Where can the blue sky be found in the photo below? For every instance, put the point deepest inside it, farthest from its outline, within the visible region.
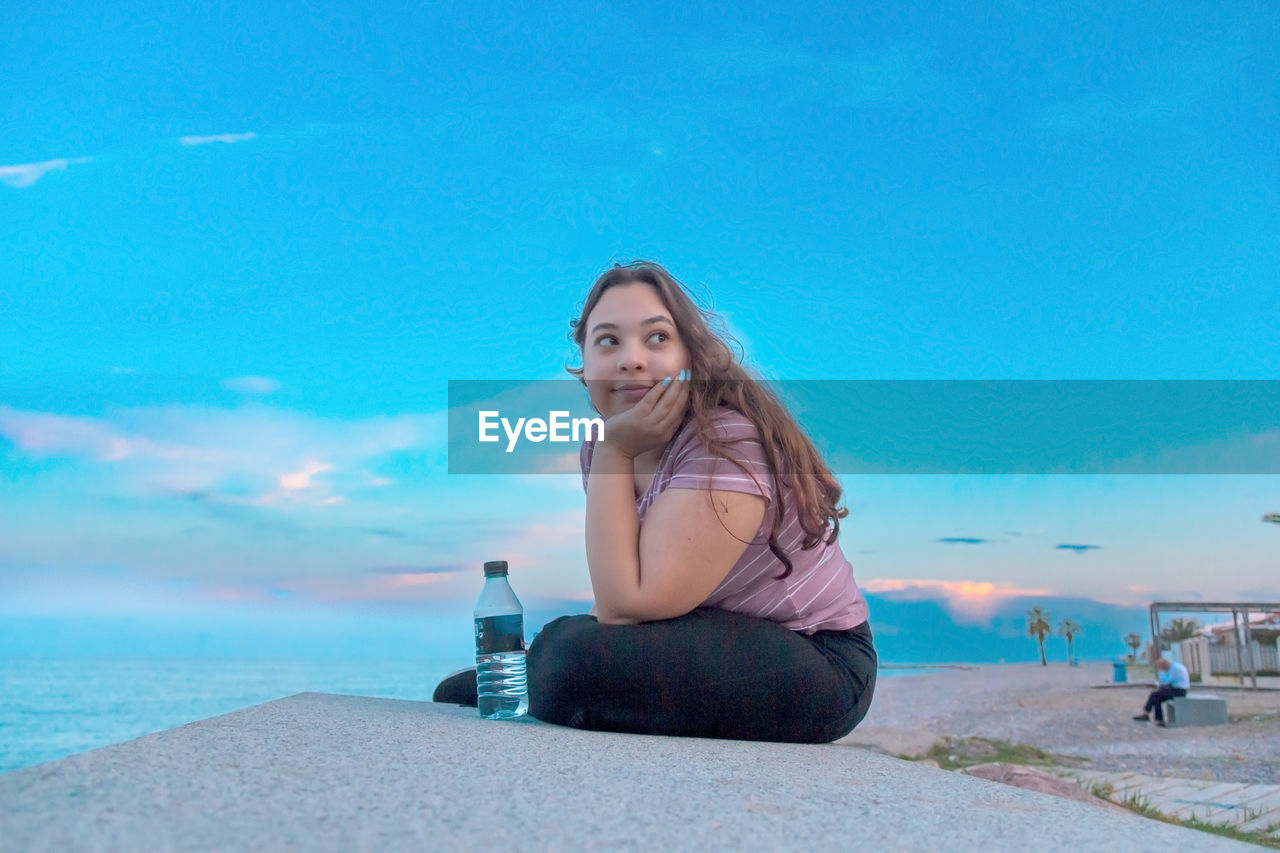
(245, 250)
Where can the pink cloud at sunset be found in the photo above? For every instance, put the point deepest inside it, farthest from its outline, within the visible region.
(968, 600)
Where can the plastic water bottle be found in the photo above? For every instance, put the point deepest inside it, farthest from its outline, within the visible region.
(501, 686)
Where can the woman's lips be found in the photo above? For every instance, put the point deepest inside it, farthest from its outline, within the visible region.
(633, 392)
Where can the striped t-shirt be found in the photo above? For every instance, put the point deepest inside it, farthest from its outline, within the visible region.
(820, 593)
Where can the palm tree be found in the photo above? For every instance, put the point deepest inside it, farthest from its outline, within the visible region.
(1038, 626)
(1070, 629)
(1133, 641)
(1178, 630)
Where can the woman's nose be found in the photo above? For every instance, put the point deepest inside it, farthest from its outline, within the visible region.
(631, 358)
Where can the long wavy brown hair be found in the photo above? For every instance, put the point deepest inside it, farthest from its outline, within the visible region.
(717, 379)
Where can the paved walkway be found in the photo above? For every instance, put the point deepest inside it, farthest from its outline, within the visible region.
(1255, 808)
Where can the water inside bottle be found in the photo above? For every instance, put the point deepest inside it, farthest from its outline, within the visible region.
(502, 686)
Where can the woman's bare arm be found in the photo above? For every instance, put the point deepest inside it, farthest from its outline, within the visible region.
(690, 541)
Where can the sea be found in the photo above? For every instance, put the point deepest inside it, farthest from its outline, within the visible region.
(52, 707)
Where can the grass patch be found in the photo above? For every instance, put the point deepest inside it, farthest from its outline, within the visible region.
(1139, 804)
(1262, 838)
(958, 753)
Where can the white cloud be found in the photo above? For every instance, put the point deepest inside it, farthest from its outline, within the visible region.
(251, 384)
(217, 137)
(45, 434)
(22, 175)
(250, 455)
(301, 480)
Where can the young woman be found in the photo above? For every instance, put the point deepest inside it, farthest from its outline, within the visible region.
(724, 606)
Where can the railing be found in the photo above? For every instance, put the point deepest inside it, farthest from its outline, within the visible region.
(1223, 659)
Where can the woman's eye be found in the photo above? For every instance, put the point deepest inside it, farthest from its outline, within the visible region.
(612, 340)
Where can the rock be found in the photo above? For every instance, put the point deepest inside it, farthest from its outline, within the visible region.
(1038, 780)
(908, 743)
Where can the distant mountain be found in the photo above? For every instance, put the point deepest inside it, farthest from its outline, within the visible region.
(911, 626)
(916, 626)
(919, 625)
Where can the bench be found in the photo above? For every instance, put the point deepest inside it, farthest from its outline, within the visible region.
(1196, 709)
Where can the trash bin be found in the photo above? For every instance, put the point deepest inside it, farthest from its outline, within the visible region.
(1120, 673)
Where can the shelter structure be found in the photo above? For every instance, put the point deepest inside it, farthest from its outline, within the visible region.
(1240, 618)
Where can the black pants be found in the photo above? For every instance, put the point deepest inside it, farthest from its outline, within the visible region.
(709, 673)
(1158, 697)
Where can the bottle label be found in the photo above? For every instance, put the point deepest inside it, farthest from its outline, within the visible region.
(496, 634)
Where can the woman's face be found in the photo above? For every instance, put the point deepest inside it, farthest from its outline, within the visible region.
(631, 344)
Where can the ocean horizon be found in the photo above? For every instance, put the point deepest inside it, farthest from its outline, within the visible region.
(53, 707)
(71, 685)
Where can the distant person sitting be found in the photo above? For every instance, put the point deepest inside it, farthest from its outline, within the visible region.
(1174, 681)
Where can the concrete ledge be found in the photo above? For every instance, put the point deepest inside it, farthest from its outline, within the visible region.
(318, 771)
(1196, 709)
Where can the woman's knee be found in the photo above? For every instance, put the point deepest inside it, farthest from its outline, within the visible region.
(563, 637)
(561, 667)
(856, 714)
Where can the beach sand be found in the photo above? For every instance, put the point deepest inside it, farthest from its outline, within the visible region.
(1058, 709)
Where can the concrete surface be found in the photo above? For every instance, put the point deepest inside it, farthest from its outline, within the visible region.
(325, 772)
(893, 740)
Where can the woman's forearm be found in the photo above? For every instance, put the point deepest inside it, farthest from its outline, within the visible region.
(613, 534)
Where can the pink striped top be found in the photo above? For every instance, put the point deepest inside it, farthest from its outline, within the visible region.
(820, 594)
